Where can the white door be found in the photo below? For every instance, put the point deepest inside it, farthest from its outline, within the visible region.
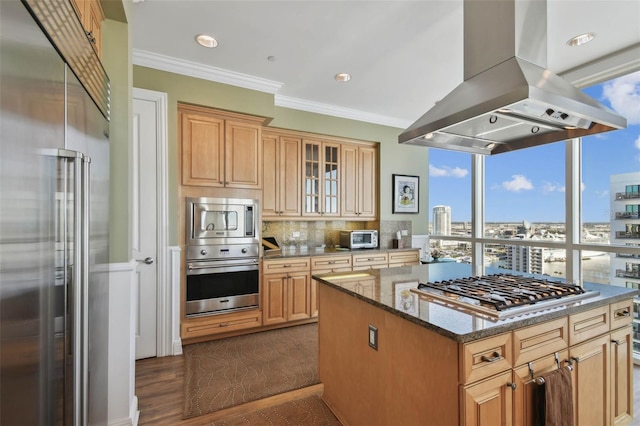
(144, 246)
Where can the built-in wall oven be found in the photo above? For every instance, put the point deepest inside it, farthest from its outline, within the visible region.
(222, 255)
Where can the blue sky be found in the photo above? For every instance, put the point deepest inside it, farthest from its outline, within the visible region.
(529, 184)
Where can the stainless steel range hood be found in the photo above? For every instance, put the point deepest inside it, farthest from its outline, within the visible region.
(508, 99)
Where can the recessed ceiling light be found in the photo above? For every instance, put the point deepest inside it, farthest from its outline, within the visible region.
(206, 41)
(581, 39)
(343, 77)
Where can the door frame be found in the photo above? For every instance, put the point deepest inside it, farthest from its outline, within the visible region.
(164, 293)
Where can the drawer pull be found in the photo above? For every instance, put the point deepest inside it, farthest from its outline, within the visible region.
(223, 324)
(494, 357)
(331, 262)
(624, 313)
(288, 265)
(512, 385)
(617, 342)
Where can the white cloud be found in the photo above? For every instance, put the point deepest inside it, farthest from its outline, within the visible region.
(517, 184)
(637, 142)
(552, 187)
(624, 95)
(446, 171)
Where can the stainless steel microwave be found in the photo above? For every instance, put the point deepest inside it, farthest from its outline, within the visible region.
(363, 238)
(221, 220)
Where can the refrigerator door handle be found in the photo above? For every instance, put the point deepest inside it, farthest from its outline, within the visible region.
(85, 165)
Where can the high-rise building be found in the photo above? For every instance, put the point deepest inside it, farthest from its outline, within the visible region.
(625, 227)
(442, 220)
(525, 259)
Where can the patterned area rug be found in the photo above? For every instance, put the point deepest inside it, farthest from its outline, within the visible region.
(232, 371)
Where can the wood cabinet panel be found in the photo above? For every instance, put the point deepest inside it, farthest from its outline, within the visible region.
(373, 260)
(488, 402)
(274, 298)
(220, 148)
(404, 258)
(359, 189)
(202, 150)
(282, 185)
(621, 314)
(589, 324)
(294, 264)
(591, 386)
(299, 296)
(91, 15)
(216, 324)
(320, 178)
(525, 407)
(621, 370)
(539, 340)
(486, 357)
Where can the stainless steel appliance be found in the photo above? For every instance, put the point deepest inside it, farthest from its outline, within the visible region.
(212, 220)
(501, 296)
(222, 255)
(358, 239)
(54, 229)
(508, 99)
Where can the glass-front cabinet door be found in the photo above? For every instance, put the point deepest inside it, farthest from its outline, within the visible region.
(321, 178)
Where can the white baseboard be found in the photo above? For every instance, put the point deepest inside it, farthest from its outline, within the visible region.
(174, 280)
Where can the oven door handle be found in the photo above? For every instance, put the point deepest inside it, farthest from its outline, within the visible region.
(217, 268)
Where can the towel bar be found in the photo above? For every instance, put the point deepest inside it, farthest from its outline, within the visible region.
(540, 380)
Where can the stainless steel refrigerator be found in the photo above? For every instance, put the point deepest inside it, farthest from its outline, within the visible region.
(54, 231)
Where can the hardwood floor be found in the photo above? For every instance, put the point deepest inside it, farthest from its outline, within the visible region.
(159, 388)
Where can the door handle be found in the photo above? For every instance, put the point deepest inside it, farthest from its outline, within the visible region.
(146, 260)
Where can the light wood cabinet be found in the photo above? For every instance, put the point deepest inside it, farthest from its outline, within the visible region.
(591, 381)
(193, 328)
(282, 189)
(320, 178)
(488, 402)
(621, 370)
(219, 148)
(91, 15)
(370, 260)
(359, 189)
(286, 290)
(325, 265)
(404, 258)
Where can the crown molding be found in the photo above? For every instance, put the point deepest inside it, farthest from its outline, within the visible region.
(340, 112)
(192, 69)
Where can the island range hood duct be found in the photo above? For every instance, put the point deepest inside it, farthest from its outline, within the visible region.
(508, 99)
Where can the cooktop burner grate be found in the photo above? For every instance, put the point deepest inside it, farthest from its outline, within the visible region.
(501, 291)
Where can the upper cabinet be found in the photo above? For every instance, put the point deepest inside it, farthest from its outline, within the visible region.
(308, 176)
(281, 184)
(321, 178)
(219, 148)
(359, 181)
(91, 16)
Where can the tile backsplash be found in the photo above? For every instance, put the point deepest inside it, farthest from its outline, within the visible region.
(310, 234)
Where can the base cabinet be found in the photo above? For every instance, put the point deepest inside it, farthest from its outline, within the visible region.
(591, 383)
(621, 370)
(488, 402)
(286, 290)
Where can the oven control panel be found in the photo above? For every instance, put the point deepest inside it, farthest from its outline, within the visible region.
(222, 251)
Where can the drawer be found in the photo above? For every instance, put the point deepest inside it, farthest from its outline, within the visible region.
(539, 340)
(215, 324)
(404, 258)
(621, 313)
(330, 263)
(294, 264)
(484, 358)
(370, 260)
(589, 324)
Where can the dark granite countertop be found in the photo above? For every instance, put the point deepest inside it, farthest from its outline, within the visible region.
(456, 324)
(322, 251)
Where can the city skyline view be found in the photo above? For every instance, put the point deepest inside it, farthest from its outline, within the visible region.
(530, 184)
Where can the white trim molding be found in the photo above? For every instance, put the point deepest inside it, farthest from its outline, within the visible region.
(194, 69)
(122, 402)
(340, 112)
(174, 274)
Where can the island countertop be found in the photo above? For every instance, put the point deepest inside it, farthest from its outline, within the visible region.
(382, 289)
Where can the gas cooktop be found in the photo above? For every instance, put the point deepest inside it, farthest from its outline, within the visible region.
(502, 295)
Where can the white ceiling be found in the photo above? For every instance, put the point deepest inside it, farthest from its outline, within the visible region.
(403, 55)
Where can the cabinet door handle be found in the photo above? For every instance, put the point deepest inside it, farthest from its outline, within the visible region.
(512, 385)
(494, 357)
(574, 359)
(617, 342)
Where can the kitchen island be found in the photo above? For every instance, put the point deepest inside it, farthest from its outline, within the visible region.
(390, 356)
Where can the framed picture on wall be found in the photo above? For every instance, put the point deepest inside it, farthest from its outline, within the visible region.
(405, 193)
(403, 298)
